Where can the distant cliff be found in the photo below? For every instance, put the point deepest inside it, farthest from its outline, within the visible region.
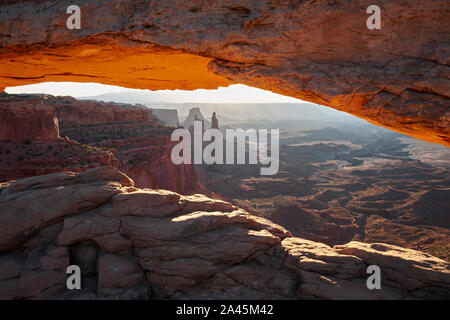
(45, 134)
(193, 113)
(30, 142)
(167, 116)
(27, 117)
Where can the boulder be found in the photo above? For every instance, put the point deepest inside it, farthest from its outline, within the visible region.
(135, 243)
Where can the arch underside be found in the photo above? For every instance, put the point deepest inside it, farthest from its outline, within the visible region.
(396, 77)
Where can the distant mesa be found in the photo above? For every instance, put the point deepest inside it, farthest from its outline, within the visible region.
(27, 119)
(168, 117)
(195, 114)
(131, 138)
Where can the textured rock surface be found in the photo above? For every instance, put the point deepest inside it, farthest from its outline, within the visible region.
(138, 243)
(319, 51)
(128, 137)
(30, 142)
(139, 140)
(195, 113)
(28, 119)
(167, 116)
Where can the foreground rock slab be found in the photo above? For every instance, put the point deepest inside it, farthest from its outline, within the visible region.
(148, 244)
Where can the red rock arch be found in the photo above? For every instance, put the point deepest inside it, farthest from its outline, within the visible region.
(322, 52)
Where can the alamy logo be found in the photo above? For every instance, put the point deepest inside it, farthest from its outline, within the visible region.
(374, 21)
(74, 20)
(213, 152)
(74, 280)
(374, 281)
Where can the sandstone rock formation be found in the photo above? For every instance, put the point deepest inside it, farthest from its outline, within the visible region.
(127, 137)
(139, 243)
(195, 115)
(320, 51)
(214, 121)
(377, 194)
(30, 142)
(27, 118)
(139, 140)
(167, 116)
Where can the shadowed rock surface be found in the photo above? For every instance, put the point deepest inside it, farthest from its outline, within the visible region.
(195, 115)
(319, 51)
(167, 116)
(128, 137)
(139, 243)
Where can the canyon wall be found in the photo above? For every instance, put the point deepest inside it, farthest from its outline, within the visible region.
(195, 113)
(30, 142)
(139, 139)
(27, 118)
(139, 244)
(124, 136)
(319, 51)
(167, 116)
(86, 112)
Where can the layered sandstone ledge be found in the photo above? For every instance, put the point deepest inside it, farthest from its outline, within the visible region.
(139, 243)
(320, 51)
(128, 137)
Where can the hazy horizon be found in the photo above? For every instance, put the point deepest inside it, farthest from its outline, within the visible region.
(236, 93)
(222, 100)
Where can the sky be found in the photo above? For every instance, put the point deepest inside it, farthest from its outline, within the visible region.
(237, 93)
